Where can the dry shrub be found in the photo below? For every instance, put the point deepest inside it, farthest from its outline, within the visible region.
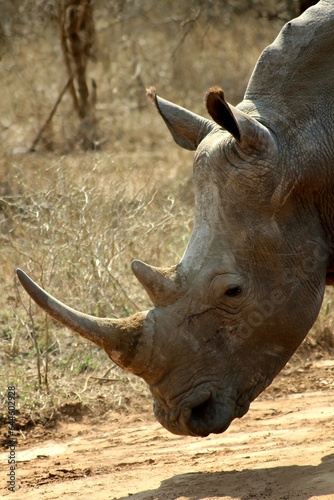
(75, 224)
(83, 228)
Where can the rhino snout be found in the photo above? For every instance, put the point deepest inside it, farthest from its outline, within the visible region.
(200, 417)
(210, 416)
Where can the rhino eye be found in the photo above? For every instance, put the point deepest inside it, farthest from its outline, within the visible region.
(233, 291)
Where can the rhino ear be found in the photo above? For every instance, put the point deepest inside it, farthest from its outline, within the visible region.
(251, 135)
(187, 128)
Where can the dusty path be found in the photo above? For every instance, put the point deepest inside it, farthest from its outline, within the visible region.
(283, 449)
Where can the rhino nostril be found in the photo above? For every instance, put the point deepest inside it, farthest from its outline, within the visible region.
(200, 412)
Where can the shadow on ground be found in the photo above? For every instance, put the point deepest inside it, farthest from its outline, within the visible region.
(277, 483)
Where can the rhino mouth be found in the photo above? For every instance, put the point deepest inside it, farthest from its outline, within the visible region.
(209, 417)
(205, 415)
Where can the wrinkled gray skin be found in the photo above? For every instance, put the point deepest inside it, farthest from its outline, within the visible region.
(229, 316)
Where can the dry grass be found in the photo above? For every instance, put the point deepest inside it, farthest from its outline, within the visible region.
(75, 220)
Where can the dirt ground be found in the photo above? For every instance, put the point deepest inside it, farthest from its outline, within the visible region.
(283, 449)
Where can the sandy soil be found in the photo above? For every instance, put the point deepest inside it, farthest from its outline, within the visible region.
(282, 450)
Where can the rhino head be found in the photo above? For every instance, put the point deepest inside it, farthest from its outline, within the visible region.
(229, 316)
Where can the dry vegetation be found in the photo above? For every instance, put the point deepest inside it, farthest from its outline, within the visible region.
(75, 219)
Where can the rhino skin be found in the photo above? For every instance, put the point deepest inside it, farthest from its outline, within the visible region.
(249, 287)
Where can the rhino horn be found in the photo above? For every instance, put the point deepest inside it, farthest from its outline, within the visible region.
(163, 285)
(127, 341)
(249, 133)
(187, 128)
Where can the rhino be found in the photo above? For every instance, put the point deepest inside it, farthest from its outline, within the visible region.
(228, 317)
